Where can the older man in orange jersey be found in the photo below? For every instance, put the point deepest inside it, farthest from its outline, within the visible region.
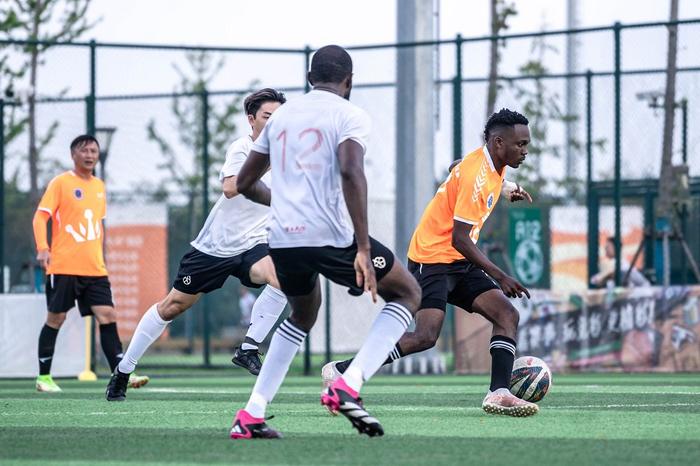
(75, 201)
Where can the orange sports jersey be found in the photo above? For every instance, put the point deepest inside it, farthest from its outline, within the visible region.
(77, 207)
(468, 195)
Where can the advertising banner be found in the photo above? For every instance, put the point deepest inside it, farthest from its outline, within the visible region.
(137, 242)
(635, 329)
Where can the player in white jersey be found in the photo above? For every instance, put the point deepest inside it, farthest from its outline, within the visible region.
(233, 241)
(315, 145)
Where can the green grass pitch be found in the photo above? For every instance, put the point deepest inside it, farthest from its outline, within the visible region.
(585, 419)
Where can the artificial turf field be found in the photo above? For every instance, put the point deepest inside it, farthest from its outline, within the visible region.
(592, 419)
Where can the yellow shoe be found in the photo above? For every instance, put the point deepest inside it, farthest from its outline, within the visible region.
(44, 383)
(138, 381)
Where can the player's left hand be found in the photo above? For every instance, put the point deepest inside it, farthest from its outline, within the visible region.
(519, 194)
(365, 276)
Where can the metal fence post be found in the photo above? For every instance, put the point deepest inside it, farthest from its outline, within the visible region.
(457, 102)
(592, 234)
(205, 211)
(617, 28)
(2, 195)
(684, 210)
(307, 341)
(91, 98)
(90, 125)
(329, 351)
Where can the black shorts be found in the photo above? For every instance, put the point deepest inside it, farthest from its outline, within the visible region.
(202, 273)
(458, 283)
(298, 268)
(62, 291)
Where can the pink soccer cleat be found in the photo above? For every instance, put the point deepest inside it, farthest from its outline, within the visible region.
(246, 426)
(339, 398)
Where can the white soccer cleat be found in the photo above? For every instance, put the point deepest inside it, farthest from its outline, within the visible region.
(138, 381)
(329, 374)
(502, 401)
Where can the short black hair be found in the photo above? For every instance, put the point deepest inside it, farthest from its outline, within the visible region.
(330, 64)
(81, 140)
(503, 117)
(254, 101)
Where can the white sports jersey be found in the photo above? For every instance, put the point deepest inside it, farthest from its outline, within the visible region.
(302, 138)
(234, 225)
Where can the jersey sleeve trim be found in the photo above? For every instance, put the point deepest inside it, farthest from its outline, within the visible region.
(357, 140)
(45, 209)
(260, 149)
(464, 220)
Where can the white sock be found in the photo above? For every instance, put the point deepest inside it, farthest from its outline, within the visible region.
(150, 327)
(390, 324)
(266, 311)
(283, 347)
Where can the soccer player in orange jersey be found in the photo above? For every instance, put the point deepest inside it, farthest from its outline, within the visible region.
(74, 263)
(450, 268)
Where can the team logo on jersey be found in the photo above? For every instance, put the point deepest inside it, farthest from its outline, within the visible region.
(379, 262)
(489, 201)
(186, 279)
(88, 232)
(78, 193)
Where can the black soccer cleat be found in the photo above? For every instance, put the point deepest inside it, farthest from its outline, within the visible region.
(116, 388)
(338, 398)
(246, 426)
(247, 359)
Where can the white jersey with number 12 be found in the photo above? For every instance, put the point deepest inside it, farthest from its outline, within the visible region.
(302, 138)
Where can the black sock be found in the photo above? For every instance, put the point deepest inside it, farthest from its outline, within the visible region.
(395, 354)
(47, 345)
(502, 357)
(111, 345)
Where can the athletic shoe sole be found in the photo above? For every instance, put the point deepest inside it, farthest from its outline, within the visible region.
(515, 411)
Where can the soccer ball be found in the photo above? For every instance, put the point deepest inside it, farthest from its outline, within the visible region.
(531, 379)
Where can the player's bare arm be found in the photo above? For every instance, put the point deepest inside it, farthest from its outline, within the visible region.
(43, 255)
(248, 180)
(462, 243)
(228, 186)
(350, 156)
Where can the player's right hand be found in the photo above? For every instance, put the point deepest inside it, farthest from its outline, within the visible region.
(364, 273)
(43, 257)
(512, 287)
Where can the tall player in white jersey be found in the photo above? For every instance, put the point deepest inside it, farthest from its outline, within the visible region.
(233, 241)
(315, 145)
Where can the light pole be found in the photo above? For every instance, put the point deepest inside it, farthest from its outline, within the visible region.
(104, 138)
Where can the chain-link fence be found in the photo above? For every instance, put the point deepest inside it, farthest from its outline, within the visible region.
(161, 103)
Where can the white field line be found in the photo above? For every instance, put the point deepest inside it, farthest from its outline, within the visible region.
(375, 390)
(293, 411)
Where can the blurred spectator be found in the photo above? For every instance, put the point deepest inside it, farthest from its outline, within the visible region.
(607, 269)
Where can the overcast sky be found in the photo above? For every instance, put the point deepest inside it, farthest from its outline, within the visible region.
(285, 23)
(295, 24)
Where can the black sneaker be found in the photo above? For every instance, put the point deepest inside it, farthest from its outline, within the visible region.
(116, 388)
(247, 359)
